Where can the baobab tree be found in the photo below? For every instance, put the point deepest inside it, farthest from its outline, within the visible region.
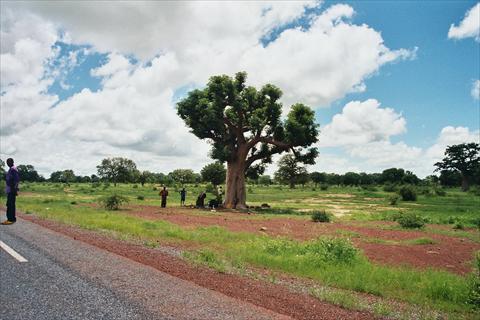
(245, 128)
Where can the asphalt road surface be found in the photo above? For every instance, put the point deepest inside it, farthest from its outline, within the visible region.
(68, 279)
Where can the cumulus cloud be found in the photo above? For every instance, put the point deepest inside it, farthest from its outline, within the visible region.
(475, 92)
(469, 27)
(362, 122)
(316, 65)
(363, 132)
(25, 52)
(174, 44)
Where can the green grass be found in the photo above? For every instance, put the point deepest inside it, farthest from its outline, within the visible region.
(330, 262)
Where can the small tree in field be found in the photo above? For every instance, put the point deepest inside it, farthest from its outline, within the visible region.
(182, 176)
(318, 177)
(117, 170)
(463, 158)
(289, 171)
(214, 173)
(244, 126)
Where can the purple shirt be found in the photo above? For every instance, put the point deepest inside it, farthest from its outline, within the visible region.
(12, 179)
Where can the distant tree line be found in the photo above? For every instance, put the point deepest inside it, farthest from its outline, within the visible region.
(459, 168)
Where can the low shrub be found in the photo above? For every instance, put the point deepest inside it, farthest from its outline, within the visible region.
(113, 202)
(324, 187)
(408, 193)
(459, 226)
(210, 188)
(410, 221)
(389, 187)
(154, 188)
(393, 199)
(440, 192)
(135, 186)
(322, 250)
(320, 216)
(140, 197)
(73, 202)
(96, 184)
(474, 284)
(368, 188)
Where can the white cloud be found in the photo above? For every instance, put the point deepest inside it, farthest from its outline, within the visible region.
(475, 92)
(179, 44)
(362, 123)
(363, 131)
(25, 52)
(316, 66)
(469, 27)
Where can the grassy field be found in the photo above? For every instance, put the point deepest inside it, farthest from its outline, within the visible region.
(332, 262)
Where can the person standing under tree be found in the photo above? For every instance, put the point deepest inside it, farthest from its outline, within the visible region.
(164, 195)
(183, 195)
(12, 179)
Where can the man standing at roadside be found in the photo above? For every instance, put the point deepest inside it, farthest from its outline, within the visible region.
(12, 180)
(164, 195)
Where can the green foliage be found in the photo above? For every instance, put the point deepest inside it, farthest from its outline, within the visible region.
(320, 216)
(393, 199)
(289, 171)
(140, 197)
(117, 170)
(464, 158)
(322, 250)
(113, 202)
(390, 187)
(458, 226)
(440, 192)
(182, 176)
(210, 188)
(408, 193)
(324, 187)
(265, 180)
(215, 173)
(474, 284)
(410, 221)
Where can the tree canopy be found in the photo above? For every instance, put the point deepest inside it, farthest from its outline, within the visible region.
(463, 158)
(245, 128)
(117, 170)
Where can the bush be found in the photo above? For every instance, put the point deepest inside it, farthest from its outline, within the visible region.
(336, 250)
(96, 184)
(393, 199)
(474, 292)
(410, 221)
(73, 202)
(320, 216)
(389, 187)
(440, 192)
(113, 202)
(140, 197)
(369, 188)
(210, 188)
(408, 193)
(135, 186)
(459, 226)
(324, 187)
(154, 189)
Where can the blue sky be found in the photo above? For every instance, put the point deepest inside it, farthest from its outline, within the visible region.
(93, 72)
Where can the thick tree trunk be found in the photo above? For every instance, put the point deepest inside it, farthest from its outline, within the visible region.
(235, 193)
(465, 184)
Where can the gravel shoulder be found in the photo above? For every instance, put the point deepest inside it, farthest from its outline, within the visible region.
(69, 279)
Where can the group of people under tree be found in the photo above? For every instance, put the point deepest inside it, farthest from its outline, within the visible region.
(200, 203)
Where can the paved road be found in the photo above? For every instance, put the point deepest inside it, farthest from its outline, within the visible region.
(68, 279)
